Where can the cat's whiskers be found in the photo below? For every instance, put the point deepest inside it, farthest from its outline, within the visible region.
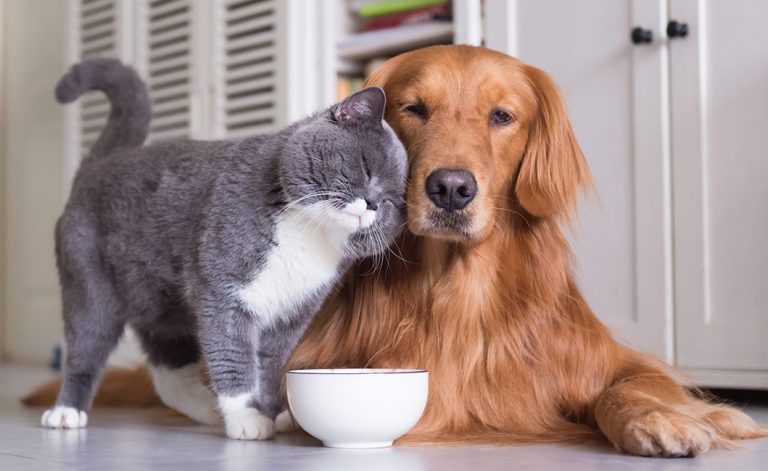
(400, 255)
(380, 247)
(346, 186)
(377, 254)
(384, 248)
(316, 218)
(306, 197)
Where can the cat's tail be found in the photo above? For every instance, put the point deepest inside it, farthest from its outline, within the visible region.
(128, 122)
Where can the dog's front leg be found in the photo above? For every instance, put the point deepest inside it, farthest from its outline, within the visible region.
(646, 412)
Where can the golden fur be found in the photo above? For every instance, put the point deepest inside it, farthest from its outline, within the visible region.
(492, 311)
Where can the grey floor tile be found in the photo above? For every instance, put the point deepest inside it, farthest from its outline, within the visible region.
(155, 439)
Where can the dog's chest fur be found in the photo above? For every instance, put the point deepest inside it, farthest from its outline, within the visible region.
(304, 260)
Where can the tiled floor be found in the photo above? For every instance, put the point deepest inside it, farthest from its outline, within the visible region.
(143, 439)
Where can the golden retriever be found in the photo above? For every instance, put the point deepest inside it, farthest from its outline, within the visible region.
(481, 292)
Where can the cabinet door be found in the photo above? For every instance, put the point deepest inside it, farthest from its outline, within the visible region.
(719, 89)
(615, 93)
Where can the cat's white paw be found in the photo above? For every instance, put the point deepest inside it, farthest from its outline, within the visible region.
(249, 424)
(64, 417)
(284, 422)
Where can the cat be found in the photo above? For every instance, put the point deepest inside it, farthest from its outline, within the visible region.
(221, 251)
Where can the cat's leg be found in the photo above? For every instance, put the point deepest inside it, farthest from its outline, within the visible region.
(92, 328)
(229, 339)
(175, 369)
(275, 346)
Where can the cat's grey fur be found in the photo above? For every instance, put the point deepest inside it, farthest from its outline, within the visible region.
(161, 237)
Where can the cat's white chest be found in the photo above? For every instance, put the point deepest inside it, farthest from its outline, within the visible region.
(302, 262)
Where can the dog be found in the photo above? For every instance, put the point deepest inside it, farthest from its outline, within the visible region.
(480, 290)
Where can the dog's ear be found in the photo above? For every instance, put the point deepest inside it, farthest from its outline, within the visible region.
(553, 169)
(381, 76)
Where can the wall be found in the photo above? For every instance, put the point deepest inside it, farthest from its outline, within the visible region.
(2, 184)
(34, 40)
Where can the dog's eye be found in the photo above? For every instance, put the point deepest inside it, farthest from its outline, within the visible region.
(418, 109)
(501, 117)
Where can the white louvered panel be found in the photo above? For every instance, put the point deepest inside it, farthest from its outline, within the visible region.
(257, 101)
(246, 100)
(99, 30)
(96, 37)
(255, 69)
(239, 10)
(162, 50)
(258, 23)
(164, 78)
(170, 93)
(244, 88)
(256, 56)
(168, 8)
(252, 38)
(169, 66)
(95, 12)
(166, 22)
(93, 6)
(164, 108)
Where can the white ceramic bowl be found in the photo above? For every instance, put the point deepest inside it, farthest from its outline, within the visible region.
(357, 407)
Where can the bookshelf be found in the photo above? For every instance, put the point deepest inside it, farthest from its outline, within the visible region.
(371, 31)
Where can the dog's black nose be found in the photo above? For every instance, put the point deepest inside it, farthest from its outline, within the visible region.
(451, 189)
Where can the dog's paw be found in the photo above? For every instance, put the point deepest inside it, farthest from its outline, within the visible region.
(64, 417)
(667, 434)
(249, 424)
(284, 422)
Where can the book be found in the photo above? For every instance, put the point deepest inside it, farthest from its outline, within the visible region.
(388, 7)
(420, 15)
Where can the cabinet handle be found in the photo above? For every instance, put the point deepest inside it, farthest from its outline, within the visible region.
(675, 29)
(641, 36)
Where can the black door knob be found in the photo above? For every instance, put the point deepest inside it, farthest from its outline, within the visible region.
(641, 36)
(675, 29)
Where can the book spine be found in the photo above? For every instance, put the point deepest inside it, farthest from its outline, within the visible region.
(394, 6)
(422, 15)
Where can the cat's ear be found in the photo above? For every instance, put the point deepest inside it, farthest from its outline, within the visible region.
(363, 107)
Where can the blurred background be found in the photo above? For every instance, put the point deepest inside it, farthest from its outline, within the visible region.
(668, 98)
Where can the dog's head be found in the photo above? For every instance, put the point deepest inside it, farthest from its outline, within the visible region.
(487, 137)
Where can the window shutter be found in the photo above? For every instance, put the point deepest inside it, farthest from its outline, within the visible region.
(211, 66)
(165, 60)
(96, 36)
(245, 98)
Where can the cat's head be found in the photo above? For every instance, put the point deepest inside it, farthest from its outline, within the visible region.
(347, 169)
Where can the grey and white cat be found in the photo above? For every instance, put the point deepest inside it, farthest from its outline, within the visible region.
(215, 250)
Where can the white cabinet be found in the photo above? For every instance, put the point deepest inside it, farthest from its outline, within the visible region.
(614, 95)
(671, 255)
(719, 98)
